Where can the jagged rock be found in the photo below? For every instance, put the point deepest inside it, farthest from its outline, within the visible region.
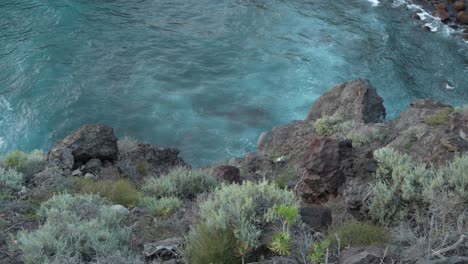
(288, 140)
(354, 100)
(327, 162)
(60, 157)
(367, 255)
(165, 249)
(150, 160)
(88, 142)
(253, 165)
(227, 173)
(277, 260)
(316, 216)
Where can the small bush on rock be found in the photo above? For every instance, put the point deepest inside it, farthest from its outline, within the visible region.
(161, 206)
(181, 182)
(440, 117)
(246, 210)
(10, 181)
(327, 125)
(81, 227)
(126, 145)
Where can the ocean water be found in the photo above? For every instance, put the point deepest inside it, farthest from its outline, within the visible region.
(208, 76)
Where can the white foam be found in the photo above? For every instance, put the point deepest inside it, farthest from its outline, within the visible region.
(5, 104)
(2, 142)
(374, 2)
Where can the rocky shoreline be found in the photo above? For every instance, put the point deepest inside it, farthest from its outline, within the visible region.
(327, 161)
(453, 13)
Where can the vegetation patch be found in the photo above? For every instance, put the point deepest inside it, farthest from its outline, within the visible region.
(181, 182)
(245, 210)
(327, 125)
(440, 117)
(121, 192)
(163, 206)
(357, 234)
(11, 181)
(81, 228)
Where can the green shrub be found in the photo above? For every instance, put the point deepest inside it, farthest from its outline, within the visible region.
(161, 206)
(327, 125)
(317, 251)
(121, 192)
(81, 227)
(440, 117)
(281, 243)
(356, 234)
(364, 138)
(244, 210)
(181, 182)
(10, 181)
(26, 163)
(143, 167)
(404, 188)
(208, 245)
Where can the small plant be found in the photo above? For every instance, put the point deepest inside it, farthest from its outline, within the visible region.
(10, 181)
(440, 117)
(319, 252)
(280, 243)
(142, 167)
(356, 234)
(327, 125)
(288, 215)
(161, 207)
(126, 145)
(208, 245)
(181, 182)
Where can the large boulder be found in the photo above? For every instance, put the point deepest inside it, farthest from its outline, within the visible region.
(354, 100)
(367, 255)
(95, 141)
(147, 160)
(326, 163)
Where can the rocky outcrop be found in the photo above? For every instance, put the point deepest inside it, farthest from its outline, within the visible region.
(277, 260)
(88, 142)
(147, 160)
(326, 163)
(430, 131)
(354, 100)
(227, 173)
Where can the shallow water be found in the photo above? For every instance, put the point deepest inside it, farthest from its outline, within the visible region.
(206, 76)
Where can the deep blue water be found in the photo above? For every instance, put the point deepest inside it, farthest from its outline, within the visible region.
(206, 76)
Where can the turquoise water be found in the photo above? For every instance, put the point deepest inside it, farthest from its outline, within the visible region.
(206, 76)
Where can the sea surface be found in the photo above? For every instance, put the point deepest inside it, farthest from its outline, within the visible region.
(208, 76)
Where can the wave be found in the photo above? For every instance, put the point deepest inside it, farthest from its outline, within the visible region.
(374, 2)
(4, 104)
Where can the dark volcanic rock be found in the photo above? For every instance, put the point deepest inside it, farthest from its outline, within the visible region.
(354, 100)
(227, 173)
(326, 164)
(316, 216)
(462, 17)
(277, 260)
(150, 160)
(88, 142)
